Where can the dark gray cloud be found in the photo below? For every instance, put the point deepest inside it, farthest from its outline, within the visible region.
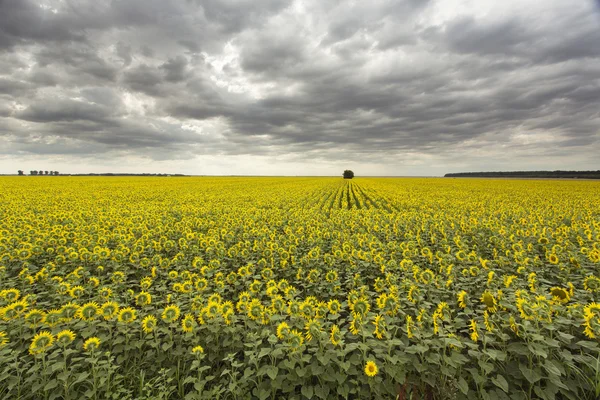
(365, 82)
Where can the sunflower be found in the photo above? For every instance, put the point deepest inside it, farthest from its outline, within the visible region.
(409, 326)
(334, 306)
(188, 323)
(10, 295)
(88, 311)
(462, 299)
(293, 308)
(35, 317)
(335, 336)
(331, 276)
(171, 313)
(212, 309)
(41, 343)
(14, 310)
(283, 329)
(313, 329)
(105, 292)
(266, 273)
(143, 299)
(198, 350)
(371, 369)
(591, 316)
(109, 310)
(227, 308)
(65, 337)
(92, 344)
(360, 306)
(255, 286)
(474, 331)
(295, 340)
(127, 315)
(149, 323)
(3, 339)
(53, 317)
(290, 292)
(591, 283)
(118, 277)
(278, 304)
(427, 276)
(553, 259)
(488, 299)
(356, 324)
(379, 324)
(145, 283)
(559, 294)
(412, 292)
(76, 292)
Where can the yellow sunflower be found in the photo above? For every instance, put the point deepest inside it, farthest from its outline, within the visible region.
(92, 344)
(127, 315)
(41, 343)
(371, 369)
(171, 313)
(65, 337)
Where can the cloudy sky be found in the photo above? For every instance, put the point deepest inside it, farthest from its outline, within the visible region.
(277, 87)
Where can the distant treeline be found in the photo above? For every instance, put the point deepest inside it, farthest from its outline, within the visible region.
(528, 174)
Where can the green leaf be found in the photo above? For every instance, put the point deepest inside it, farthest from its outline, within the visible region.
(307, 391)
(588, 345)
(538, 350)
(486, 367)
(499, 381)
(551, 368)
(531, 375)
(463, 385)
(272, 372)
(51, 385)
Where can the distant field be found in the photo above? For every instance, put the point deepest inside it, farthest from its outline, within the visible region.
(269, 288)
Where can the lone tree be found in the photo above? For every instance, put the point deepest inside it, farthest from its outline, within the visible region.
(21, 172)
(348, 174)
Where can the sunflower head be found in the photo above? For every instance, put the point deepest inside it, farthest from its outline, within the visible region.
(560, 294)
(277, 303)
(188, 323)
(149, 323)
(592, 284)
(88, 311)
(360, 306)
(171, 313)
(127, 315)
(41, 343)
(295, 340)
(109, 310)
(255, 309)
(65, 337)
(283, 330)
(336, 336)
(488, 299)
(92, 344)
(143, 299)
(198, 350)
(35, 317)
(10, 295)
(371, 369)
(76, 291)
(313, 329)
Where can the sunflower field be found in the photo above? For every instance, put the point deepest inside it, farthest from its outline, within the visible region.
(299, 288)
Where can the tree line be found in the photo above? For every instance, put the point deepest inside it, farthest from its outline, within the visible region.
(40, 172)
(528, 174)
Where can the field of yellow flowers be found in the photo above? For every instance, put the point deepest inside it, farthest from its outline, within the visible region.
(299, 288)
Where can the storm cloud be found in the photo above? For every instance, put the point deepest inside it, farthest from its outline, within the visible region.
(388, 87)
